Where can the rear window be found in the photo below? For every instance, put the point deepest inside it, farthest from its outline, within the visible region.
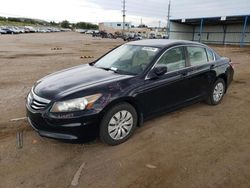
(197, 55)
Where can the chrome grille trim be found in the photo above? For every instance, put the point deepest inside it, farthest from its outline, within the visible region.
(36, 102)
(40, 99)
(36, 107)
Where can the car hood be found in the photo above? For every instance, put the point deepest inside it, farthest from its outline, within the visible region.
(68, 81)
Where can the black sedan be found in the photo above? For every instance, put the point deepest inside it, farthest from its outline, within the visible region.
(130, 84)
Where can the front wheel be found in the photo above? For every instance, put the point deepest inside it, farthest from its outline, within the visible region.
(217, 92)
(118, 124)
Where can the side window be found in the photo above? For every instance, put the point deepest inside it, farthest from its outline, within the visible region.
(210, 55)
(197, 55)
(173, 59)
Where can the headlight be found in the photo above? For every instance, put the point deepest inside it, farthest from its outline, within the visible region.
(75, 104)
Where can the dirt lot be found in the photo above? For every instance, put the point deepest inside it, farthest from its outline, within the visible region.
(198, 146)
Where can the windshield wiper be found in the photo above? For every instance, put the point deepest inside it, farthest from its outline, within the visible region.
(115, 70)
(104, 68)
(108, 69)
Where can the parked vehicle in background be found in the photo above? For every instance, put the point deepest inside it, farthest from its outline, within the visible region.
(165, 36)
(158, 36)
(65, 30)
(81, 31)
(133, 37)
(152, 36)
(96, 34)
(2, 31)
(42, 30)
(113, 95)
(111, 36)
(89, 32)
(103, 34)
(118, 35)
(10, 30)
(20, 29)
(29, 29)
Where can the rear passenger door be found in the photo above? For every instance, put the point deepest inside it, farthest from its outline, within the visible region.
(200, 71)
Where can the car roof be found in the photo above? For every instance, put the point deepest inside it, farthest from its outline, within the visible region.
(162, 43)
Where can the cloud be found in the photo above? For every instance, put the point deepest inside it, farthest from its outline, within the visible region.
(151, 11)
(74, 11)
(209, 8)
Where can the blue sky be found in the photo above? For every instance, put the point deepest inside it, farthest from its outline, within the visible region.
(150, 11)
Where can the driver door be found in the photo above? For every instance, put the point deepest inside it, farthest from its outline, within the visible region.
(169, 90)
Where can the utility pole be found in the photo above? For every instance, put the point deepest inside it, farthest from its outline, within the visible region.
(123, 16)
(159, 26)
(168, 19)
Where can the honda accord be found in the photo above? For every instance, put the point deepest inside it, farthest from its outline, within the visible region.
(136, 81)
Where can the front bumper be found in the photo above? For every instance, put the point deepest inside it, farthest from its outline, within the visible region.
(84, 128)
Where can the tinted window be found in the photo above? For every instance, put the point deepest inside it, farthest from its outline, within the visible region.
(197, 55)
(173, 59)
(210, 55)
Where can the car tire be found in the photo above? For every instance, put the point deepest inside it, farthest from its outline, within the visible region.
(118, 124)
(217, 92)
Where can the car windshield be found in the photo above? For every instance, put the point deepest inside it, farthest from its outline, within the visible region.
(128, 59)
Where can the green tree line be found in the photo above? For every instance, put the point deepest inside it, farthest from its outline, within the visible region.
(79, 25)
(24, 20)
(64, 24)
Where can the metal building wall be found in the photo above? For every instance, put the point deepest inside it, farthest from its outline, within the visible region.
(181, 31)
(210, 34)
(247, 35)
(236, 34)
(233, 34)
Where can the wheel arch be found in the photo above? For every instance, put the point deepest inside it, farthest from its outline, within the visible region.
(224, 77)
(129, 100)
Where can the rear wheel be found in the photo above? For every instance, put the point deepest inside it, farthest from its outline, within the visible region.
(118, 124)
(217, 92)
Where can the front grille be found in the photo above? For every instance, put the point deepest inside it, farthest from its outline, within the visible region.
(37, 103)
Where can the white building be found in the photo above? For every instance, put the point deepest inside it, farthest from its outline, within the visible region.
(114, 25)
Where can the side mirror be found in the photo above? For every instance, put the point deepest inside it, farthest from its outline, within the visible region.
(157, 71)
